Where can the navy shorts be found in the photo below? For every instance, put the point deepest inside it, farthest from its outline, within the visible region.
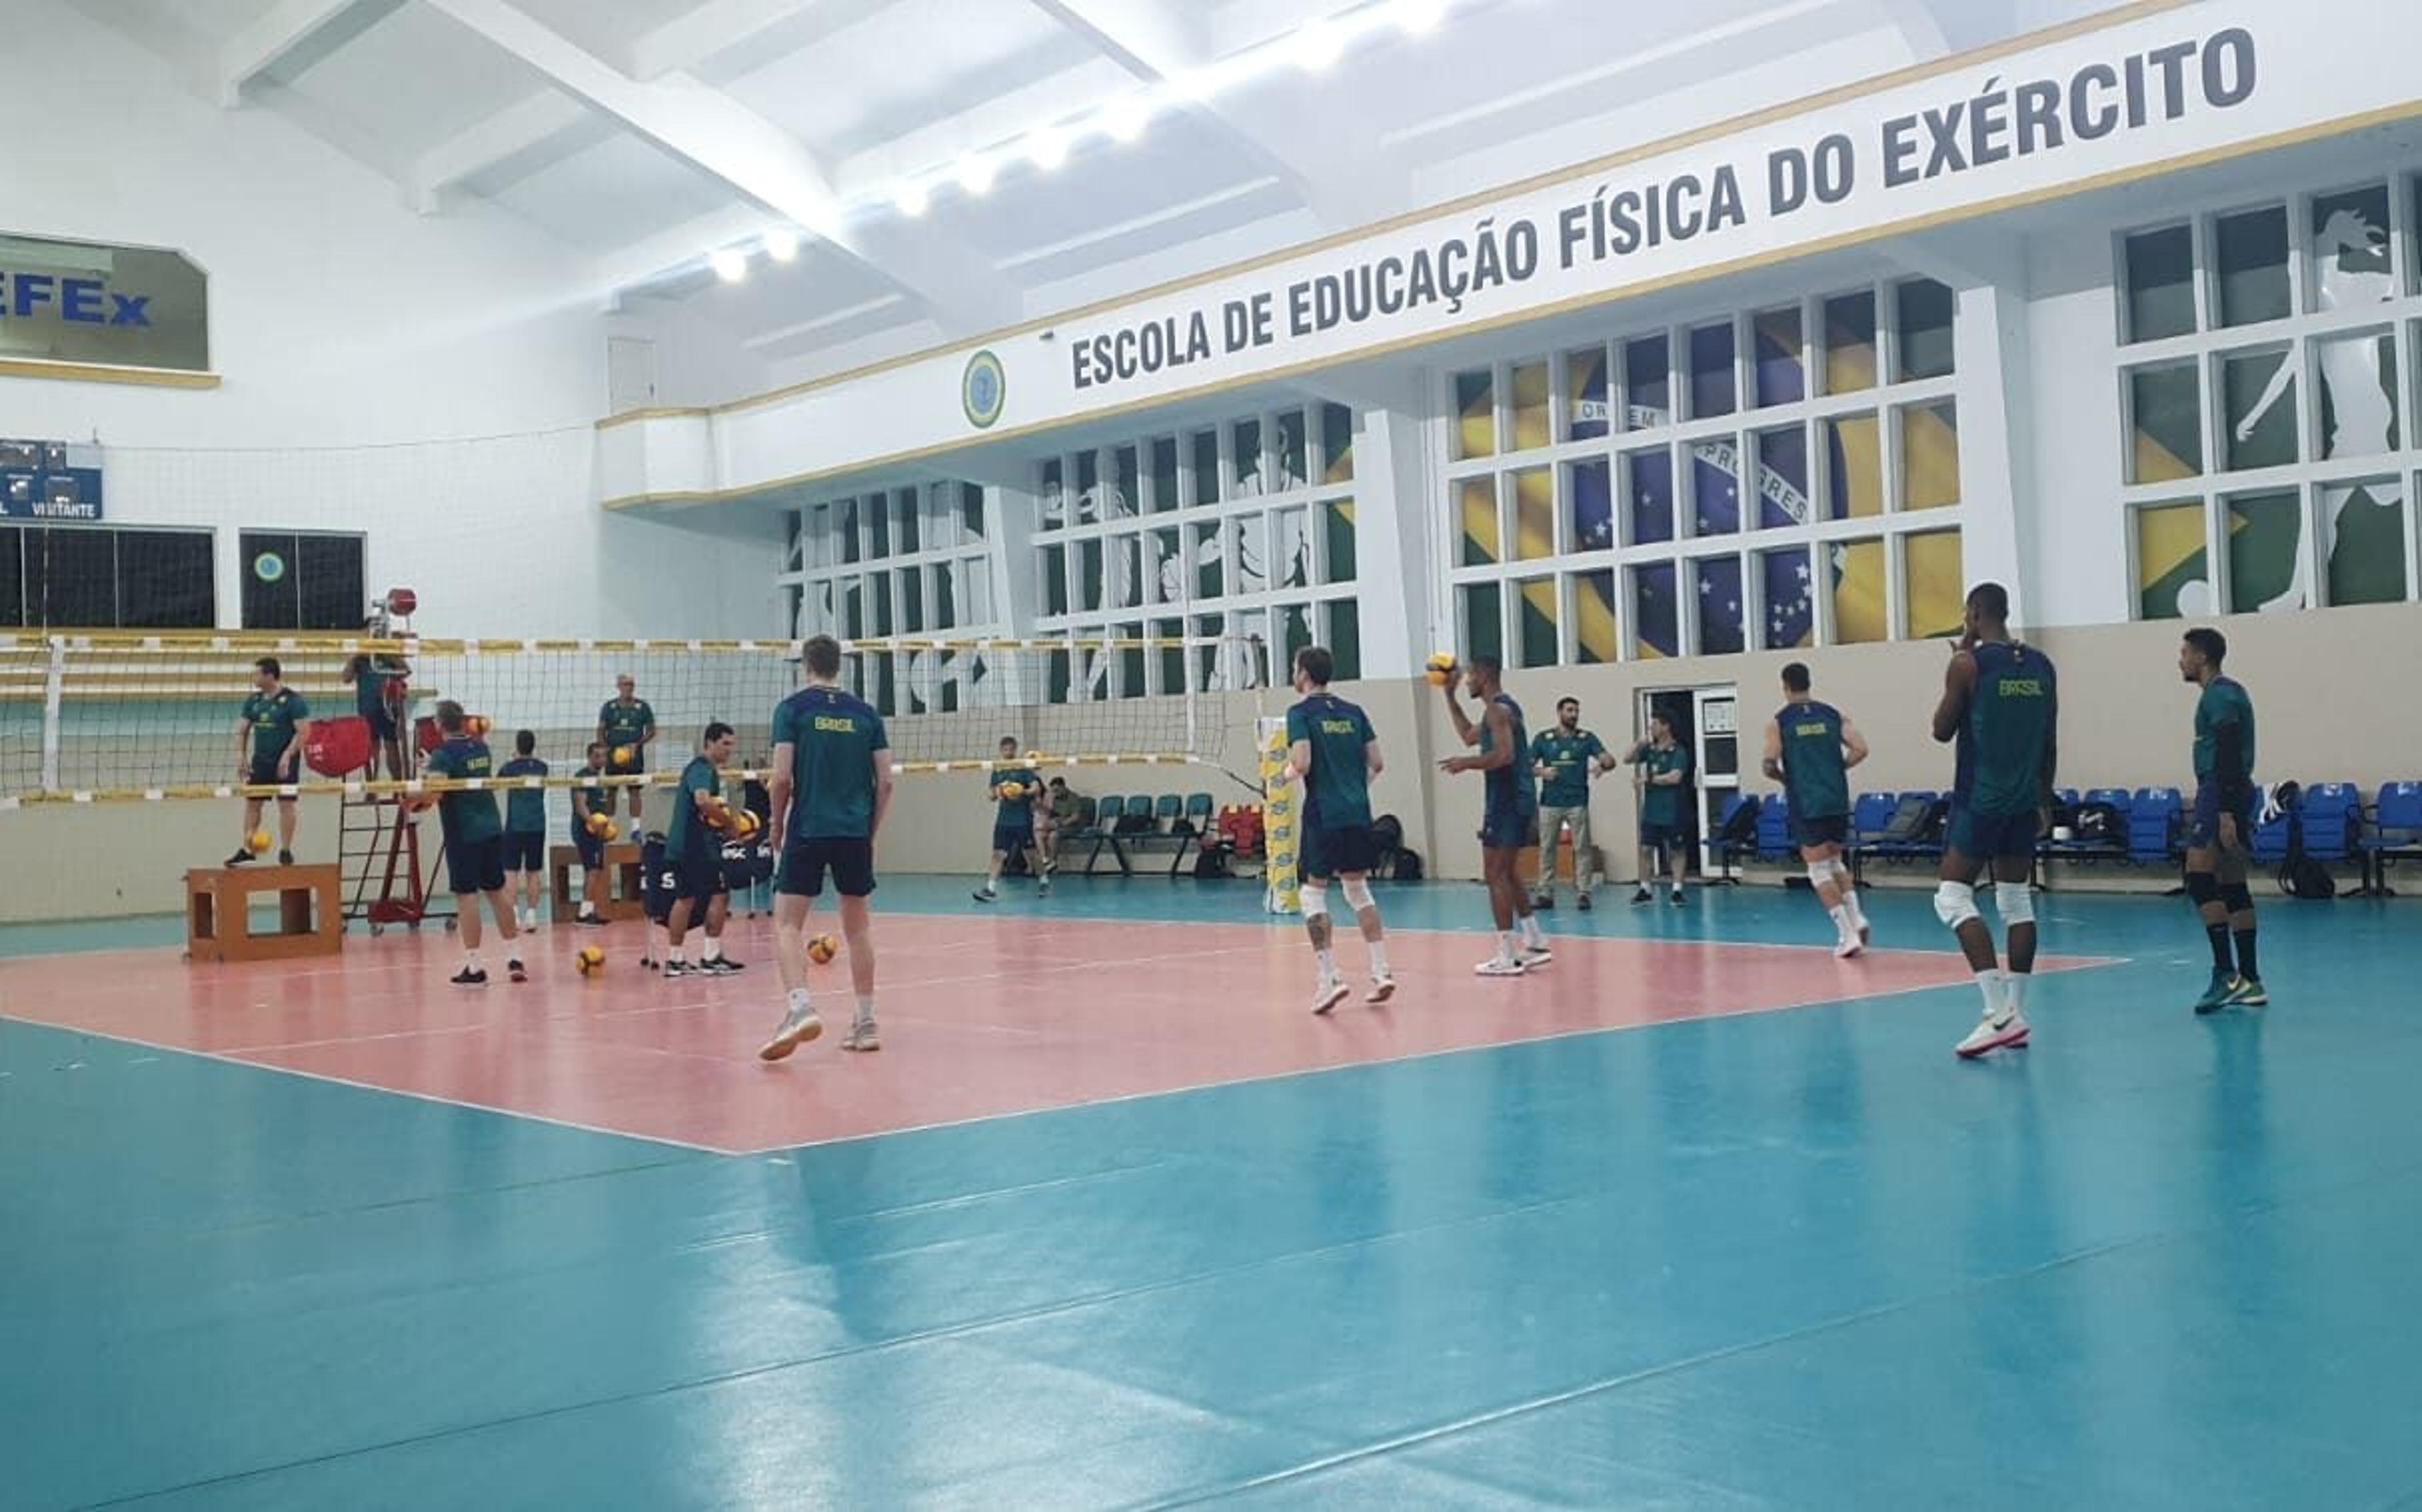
(382, 724)
(475, 865)
(526, 850)
(1991, 836)
(1827, 829)
(261, 773)
(1508, 829)
(1008, 839)
(2203, 830)
(1329, 852)
(697, 878)
(1658, 836)
(593, 849)
(805, 863)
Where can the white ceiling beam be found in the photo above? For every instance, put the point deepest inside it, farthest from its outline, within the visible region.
(688, 41)
(518, 129)
(284, 27)
(755, 158)
(679, 249)
(1161, 41)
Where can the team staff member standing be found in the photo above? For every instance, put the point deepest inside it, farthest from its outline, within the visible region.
(1333, 751)
(625, 723)
(831, 788)
(2224, 823)
(1565, 758)
(268, 745)
(475, 846)
(1664, 767)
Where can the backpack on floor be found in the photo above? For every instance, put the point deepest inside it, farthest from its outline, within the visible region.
(2300, 875)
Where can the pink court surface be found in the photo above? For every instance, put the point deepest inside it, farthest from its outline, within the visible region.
(982, 1016)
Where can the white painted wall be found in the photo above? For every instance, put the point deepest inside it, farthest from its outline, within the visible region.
(426, 380)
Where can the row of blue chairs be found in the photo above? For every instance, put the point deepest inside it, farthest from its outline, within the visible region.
(2336, 825)
(1139, 823)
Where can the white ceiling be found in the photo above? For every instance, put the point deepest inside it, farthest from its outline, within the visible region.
(645, 134)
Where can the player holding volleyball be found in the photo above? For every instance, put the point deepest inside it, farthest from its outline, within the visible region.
(1333, 749)
(1016, 790)
(625, 725)
(1810, 749)
(2000, 704)
(831, 786)
(1510, 818)
(694, 857)
(474, 845)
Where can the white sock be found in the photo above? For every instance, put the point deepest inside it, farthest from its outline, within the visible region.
(1988, 982)
(2014, 986)
(714, 948)
(470, 961)
(1849, 895)
(801, 1001)
(1840, 914)
(1530, 935)
(866, 1007)
(1327, 963)
(1504, 945)
(1379, 957)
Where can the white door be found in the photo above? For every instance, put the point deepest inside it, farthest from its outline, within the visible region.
(1708, 720)
(630, 374)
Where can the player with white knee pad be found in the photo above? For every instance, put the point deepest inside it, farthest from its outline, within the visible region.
(2000, 709)
(1333, 751)
(1810, 749)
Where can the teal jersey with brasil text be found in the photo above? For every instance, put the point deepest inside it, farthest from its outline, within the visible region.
(685, 833)
(1661, 803)
(272, 717)
(1815, 772)
(524, 807)
(833, 736)
(465, 816)
(1567, 758)
(2223, 704)
(2000, 767)
(598, 797)
(1337, 789)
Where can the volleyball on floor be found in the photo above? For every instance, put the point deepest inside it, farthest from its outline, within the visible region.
(257, 842)
(1440, 669)
(590, 960)
(823, 948)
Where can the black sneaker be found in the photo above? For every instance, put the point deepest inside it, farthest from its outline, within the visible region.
(242, 858)
(1677, 900)
(467, 977)
(1543, 901)
(1644, 896)
(1585, 902)
(985, 894)
(286, 858)
(514, 970)
(723, 966)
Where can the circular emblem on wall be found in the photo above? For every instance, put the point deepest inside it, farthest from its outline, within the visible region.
(983, 390)
(269, 567)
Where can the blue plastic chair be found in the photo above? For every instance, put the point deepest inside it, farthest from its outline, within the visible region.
(2155, 818)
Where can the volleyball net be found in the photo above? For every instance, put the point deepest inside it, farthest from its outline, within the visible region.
(110, 718)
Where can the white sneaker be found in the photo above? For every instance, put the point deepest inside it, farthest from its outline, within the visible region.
(1848, 946)
(2006, 1031)
(1330, 993)
(1538, 955)
(1382, 989)
(1498, 966)
(861, 1037)
(798, 1026)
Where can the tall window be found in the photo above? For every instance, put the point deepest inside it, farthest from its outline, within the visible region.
(909, 562)
(2267, 354)
(99, 577)
(1243, 529)
(298, 581)
(1764, 479)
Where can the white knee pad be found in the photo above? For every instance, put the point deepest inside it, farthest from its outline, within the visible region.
(1821, 873)
(1954, 903)
(1357, 892)
(2015, 902)
(1316, 899)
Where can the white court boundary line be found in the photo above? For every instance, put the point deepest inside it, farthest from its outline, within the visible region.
(2067, 965)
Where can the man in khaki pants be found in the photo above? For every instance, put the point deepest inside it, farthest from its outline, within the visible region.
(1565, 758)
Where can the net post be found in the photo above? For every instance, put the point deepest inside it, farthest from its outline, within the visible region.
(53, 692)
(1280, 891)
